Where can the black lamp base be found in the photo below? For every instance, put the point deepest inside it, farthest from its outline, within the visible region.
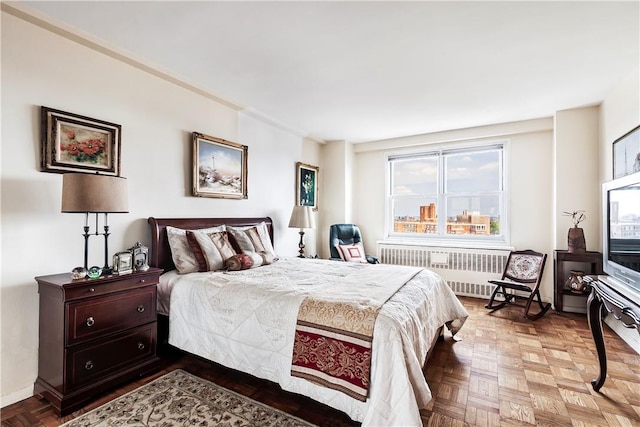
(301, 245)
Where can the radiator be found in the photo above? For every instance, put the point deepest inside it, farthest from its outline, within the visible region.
(466, 271)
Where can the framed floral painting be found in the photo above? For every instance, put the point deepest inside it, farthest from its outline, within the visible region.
(219, 168)
(73, 143)
(307, 185)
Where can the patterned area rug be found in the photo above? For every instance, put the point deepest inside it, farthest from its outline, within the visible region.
(181, 399)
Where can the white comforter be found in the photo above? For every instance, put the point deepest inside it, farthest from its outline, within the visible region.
(246, 320)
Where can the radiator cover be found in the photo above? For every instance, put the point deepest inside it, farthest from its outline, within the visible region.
(466, 271)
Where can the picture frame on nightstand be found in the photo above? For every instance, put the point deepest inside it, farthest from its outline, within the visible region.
(123, 263)
(140, 257)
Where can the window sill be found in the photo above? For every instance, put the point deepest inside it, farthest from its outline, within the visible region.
(441, 243)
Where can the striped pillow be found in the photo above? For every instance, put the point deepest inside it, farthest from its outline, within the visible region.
(211, 250)
(253, 239)
(181, 253)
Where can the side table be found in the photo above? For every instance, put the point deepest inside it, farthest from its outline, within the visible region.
(591, 258)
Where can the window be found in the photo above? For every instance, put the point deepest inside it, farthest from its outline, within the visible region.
(452, 194)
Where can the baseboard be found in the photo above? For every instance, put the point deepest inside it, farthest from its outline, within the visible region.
(16, 396)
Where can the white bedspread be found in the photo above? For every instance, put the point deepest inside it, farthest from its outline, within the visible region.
(246, 321)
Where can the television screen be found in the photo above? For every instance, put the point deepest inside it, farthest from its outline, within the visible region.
(622, 254)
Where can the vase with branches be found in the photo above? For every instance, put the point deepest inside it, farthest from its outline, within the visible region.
(575, 239)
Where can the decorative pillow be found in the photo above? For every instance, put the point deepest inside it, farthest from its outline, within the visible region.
(239, 262)
(183, 257)
(352, 253)
(260, 258)
(203, 265)
(210, 250)
(253, 238)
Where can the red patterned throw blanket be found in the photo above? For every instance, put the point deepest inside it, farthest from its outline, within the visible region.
(333, 338)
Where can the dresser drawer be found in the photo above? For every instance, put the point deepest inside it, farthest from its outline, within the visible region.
(87, 288)
(94, 317)
(100, 358)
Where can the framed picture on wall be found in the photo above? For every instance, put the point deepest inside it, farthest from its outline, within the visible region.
(626, 153)
(219, 168)
(307, 185)
(74, 143)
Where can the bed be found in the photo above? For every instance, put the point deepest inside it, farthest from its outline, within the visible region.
(250, 320)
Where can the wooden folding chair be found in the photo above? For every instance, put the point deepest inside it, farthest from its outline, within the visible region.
(522, 273)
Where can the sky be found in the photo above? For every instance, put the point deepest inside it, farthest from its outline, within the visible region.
(470, 175)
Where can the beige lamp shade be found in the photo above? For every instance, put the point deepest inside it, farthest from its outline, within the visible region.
(302, 217)
(83, 192)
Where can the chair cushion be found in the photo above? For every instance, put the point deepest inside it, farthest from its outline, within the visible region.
(352, 253)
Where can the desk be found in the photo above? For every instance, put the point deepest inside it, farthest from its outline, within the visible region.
(602, 300)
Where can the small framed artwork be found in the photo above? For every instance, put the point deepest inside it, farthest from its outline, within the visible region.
(73, 143)
(307, 185)
(626, 153)
(219, 168)
(123, 262)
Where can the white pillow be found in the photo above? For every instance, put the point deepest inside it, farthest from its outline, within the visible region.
(352, 253)
(181, 252)
(253, 238)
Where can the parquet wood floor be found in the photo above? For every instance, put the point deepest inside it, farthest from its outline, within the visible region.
(506, 371)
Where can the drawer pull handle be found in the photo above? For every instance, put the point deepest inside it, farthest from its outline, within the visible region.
(92, 290)
(141, 280)
(89, 365)
(140, 308)
(140, 346)
(90, 321)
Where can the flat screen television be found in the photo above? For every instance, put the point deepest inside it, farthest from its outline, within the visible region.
(621, 235)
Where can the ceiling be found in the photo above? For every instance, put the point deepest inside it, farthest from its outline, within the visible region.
(363, 71)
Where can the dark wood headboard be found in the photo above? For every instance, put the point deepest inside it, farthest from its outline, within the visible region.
(161, 252)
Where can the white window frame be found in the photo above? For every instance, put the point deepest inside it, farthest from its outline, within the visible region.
(470, 241)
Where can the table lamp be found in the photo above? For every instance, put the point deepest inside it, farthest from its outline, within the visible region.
(94, 193)
(302, 217)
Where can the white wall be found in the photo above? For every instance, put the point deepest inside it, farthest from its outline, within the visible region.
(157, 118)
(576, 183)
(336, 202)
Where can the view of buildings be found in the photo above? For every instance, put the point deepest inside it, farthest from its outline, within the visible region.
(466, 223)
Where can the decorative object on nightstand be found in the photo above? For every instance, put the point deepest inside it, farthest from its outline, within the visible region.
(123, 263)
(302, 217)
(94, 193)
(78, 273)
(575, 238)
(140, 257)
(94, 334)
(94, 272)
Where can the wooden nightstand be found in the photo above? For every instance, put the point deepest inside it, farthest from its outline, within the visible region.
(94, 335)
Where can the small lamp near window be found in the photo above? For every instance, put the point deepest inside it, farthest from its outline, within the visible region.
(302, 217)
(89, 193)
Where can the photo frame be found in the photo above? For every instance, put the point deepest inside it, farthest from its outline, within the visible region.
(219, 168)
(74, 143)
(626, 153)
(140, 255)
(307, 185)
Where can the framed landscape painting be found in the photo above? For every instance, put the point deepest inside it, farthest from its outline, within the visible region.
(626, 153)
(306, 185)
(74, 143)
(219, 168)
